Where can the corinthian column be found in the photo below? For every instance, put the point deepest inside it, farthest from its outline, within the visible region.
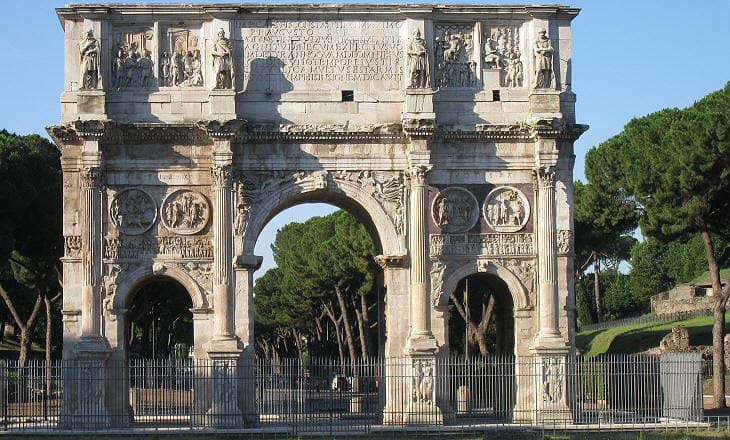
(91, 239)
(547, 260)
(420, 338)
(222, 260)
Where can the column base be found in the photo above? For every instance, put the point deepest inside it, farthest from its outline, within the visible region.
(551, 343)
(424, 344)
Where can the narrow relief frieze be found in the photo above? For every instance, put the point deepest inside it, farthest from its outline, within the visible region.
(519, 244)
(139, 247)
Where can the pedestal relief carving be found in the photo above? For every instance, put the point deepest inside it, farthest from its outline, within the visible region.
(553, 376)
(454, 53)
(185, 212)
(90, 52)
(455, 210)
(133, 211)
(437, 281)
(180, 63)
(543, 53)
(132, 65)
(422, 381)
(506, 209)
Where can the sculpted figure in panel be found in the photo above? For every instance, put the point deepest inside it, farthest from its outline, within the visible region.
(223, 61)
(543, 52)
(418, 62)
(133, 65)
(89, 50)
(455, 66)
(455, 210)
(181, 63)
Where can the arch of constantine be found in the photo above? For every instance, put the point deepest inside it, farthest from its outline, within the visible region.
(448, 130)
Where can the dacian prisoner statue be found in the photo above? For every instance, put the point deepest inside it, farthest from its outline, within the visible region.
(447, 130)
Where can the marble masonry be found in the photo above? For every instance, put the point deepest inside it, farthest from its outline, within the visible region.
(448, 130)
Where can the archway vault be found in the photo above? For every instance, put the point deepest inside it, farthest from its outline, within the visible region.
(456, 271)
(382, 218)
(129, 282)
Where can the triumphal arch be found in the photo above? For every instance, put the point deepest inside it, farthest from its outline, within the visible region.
(448, 130)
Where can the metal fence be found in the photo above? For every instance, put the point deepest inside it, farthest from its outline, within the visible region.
(645, 319)
(298, 396)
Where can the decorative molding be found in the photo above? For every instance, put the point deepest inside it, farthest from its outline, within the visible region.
(518, 244)
(392, 261)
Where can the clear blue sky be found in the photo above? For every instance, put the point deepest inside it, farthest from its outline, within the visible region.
(630, 58)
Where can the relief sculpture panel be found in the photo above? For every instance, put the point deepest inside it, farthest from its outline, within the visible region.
(455, 210)
(133, 211)
(506, 209)
(454, 54)
(180, 63)
(185, 212)
(132, 63)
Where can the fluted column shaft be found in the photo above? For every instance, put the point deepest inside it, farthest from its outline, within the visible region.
(222, 259)
(547, 259)
(420, 304)
(91, 178)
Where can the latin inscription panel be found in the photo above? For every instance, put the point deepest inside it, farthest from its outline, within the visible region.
(284, 55)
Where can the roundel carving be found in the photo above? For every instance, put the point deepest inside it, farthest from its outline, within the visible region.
(455, 210)
(185, 212)
(506, 209)
(133, 211)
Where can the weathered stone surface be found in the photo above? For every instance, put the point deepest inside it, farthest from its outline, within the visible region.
(448, 130)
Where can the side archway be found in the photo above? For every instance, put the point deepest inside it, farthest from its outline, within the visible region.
(520, 294)
(131, 282)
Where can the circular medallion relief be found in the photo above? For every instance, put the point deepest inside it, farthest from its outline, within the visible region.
(133, 211)
(455, 210)
(506, 209)
(185, 212)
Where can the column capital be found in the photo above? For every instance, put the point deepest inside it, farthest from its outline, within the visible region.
(249, 262)
(544, 176)
(221, 175)
(418, 172)
(91, 177)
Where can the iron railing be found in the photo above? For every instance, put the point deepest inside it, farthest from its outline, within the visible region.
(325, 396)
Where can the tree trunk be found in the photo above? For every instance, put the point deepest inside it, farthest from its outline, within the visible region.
(469, 325)
(481, 331)
(24, 327)
(345, 322)
(597, 288)
(361, 332)
(719, 296)
(365, 337)
(49, 334)
(331, 314)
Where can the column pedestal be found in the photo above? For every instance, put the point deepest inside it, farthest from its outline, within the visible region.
(423, 408)
(84, 394)
(224, 412)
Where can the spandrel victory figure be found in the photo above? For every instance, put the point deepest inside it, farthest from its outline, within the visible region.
(223, 61)
(89, 49)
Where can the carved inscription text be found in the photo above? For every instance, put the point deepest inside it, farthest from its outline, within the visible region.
(281, 52)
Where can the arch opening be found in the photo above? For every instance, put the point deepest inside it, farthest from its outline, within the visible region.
(481, 321)
(336, 282)
(159, 320)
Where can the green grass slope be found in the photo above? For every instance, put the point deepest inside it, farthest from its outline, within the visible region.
(636, 338)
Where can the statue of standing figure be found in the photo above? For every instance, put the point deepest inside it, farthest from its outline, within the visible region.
(418, 66)
(543, 51)
(223, 61)
(89, 49)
